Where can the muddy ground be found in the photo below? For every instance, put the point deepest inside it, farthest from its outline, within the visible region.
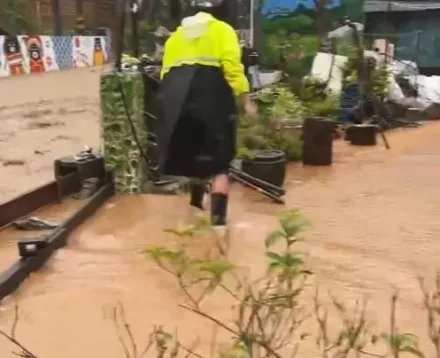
(374, 217)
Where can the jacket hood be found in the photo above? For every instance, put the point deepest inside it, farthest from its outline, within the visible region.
(196, 26)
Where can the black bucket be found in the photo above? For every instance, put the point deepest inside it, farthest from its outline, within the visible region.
(268, 165)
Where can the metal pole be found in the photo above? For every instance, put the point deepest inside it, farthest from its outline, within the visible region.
(388, 19)
(134, 10)
(252, 5)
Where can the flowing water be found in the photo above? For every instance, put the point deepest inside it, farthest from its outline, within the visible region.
(375, 227)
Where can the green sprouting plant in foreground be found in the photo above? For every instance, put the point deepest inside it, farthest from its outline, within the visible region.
(270, 317)
(266, 311)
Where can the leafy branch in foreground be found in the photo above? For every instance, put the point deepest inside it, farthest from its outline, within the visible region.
(163, 343)
(270, 315)
(267, 316)
(24, 352)
(431, 303)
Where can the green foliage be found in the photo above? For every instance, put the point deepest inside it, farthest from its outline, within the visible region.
(207, 275)
(129, 60)
(297, 50)
(351, 66)
(312, 89)
(271, 299)
(121, 153)
(316, 100)
(299, 54)
(16, 17)
(327, 107)
(145, 34)
(278, 104)
(280, 110)
(300, 24)
(379, 76)
(380, 82)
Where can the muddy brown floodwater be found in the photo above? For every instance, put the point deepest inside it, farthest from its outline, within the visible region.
(374, 217)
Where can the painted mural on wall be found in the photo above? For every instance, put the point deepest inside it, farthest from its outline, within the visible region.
(88, 51)
(290, 30)
(37, 54)
(273, 8)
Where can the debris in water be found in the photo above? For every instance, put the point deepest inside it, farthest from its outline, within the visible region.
(45, 124)
(5, 302)
(9, 162)
(33, 223)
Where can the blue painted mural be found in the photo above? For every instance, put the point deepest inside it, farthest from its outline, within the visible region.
(273, 8)
(290, 30)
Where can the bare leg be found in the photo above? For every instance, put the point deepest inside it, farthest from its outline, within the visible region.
(219, 199)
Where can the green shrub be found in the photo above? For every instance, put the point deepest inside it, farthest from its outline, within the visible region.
(280, 111)
(300, 24)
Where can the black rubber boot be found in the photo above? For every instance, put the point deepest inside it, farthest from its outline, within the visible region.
(219, 208)
(197, 194)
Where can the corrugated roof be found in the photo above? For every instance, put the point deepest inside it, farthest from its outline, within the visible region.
(394, 6)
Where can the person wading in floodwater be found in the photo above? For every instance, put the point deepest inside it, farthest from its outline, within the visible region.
(202, 76)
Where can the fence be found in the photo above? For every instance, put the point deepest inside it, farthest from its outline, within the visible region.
(36, 54)
(406, 44)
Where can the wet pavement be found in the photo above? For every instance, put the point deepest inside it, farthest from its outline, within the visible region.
(374, 228)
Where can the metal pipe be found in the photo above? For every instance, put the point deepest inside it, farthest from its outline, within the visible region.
(134, 10)
(252, 21)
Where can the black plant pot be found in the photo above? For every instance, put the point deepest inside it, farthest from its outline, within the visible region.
(317, 141)
(267, 165)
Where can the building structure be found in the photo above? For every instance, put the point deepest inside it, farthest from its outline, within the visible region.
(412, 26)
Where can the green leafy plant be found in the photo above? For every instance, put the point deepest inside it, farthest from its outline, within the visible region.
(300, 24)
(280, 105)
(380, 82)
(291, 52)
(379, 75)
(145, 34)
(266, 313)
(327, 107)
(15, 19)
(317, 101)
(268, 318)
(281, 114)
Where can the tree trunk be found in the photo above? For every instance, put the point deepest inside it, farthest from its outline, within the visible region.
(321, 22)
(56, 13)
(80, 25)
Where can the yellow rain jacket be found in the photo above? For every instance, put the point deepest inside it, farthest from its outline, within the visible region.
(202, 39)
(202, 75)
